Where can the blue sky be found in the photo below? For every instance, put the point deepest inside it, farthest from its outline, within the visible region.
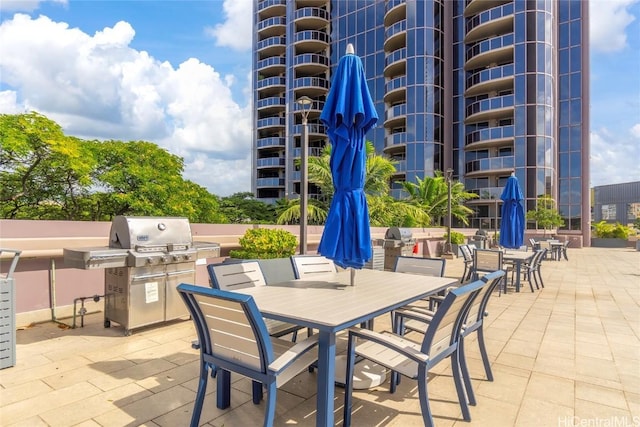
(178, 73)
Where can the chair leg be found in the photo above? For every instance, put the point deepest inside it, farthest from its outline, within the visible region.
(224, 389)
(348, 386)
(256, 388)
(464, 368)
(528, 278)
(484, 354)
(202, 388)
(457, 379)
(540, 277)
(270, 411)
(424, 397)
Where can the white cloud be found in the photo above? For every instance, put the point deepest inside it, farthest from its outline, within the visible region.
(635, 131)
(614, 158)
(608, 22)
(99, 87)
(25, 5)
(237, 29)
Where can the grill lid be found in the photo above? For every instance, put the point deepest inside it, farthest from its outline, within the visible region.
(144, 233)
(397, 233)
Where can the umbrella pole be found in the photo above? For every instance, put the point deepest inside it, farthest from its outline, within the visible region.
(353, 275)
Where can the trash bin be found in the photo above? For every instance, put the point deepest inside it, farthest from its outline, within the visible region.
(8, 313)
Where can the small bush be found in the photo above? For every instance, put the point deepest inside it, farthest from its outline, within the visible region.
(605, 230)
(456, 238)
(266, 243)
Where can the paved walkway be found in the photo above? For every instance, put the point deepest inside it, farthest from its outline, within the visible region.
(567, 355)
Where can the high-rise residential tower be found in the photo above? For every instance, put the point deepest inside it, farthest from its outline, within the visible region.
(484, 87)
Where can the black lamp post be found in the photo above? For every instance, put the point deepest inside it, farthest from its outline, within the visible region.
(305, 106)
(448, 178)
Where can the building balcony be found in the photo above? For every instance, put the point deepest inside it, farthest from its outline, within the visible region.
(269, 8)
(311, 152)
(495, 79)
(474, 7)
(401, 166)
(395, 37)
(395, 116)
(499, 107)
(271, 104)
(489, 138)
(314, 129)
(310, 41)
(395, 142)
(486, 194)
(311, 63)
(272, 142)
(311, 3)
(487, 47)
(271, 86)
(272, 46)
(490, 166)
(312, 86)
(270, 162)
(395, 10)
(314, 110)
(395, 90)
(272, 65)
(311, 18)
(270, 182)
(271, 122)
(274, 26)
(498, 20)
(395, 63)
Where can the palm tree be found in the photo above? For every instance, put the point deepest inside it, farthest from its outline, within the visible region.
(431, 195)
(383, 210)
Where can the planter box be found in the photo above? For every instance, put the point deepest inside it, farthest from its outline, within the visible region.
(599, 242)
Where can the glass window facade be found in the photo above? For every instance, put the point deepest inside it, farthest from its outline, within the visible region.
(511, 98)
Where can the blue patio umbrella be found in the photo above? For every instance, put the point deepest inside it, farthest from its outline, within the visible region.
(512, 223)
(348, 114)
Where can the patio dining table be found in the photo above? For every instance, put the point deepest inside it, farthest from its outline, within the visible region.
(518, 258)
(329, 304)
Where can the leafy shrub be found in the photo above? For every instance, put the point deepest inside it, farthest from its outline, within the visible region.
(266, 243)
(606, 230)
(456, 238)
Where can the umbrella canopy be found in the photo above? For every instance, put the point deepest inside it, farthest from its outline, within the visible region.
(512, 224)
(348, 114)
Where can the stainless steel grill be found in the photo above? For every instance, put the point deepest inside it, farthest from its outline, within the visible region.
(147, 258)
(397, 242)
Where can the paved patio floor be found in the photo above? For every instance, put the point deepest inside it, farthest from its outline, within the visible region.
(566, 355)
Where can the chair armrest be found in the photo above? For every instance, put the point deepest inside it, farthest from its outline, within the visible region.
(392, 341)
(289, 356)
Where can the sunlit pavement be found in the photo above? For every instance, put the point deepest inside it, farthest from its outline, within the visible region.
(565, 355)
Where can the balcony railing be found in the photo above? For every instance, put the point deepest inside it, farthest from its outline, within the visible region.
(489, 15)
(311, 12)
(489, 45)
(275, 101)
(397, 138)
(270, 182)
(502, 132)
(490, 164)
(313, 128)
(274, 141)
(271, 62)
(395, 56)
(489, 75)
(272, 41)
(490, 104)
(269, 22)
(311, 35)
(487, 193)
(271, 81)
(270, 162)
(271, 122)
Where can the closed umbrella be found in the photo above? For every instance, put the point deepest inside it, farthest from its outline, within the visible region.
(512, 223)
(348, 114)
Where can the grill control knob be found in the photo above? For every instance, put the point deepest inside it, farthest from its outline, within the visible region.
(149, 260)
(163, 258)
(187, 257)
(176, 258)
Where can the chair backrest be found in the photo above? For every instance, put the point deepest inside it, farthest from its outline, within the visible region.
(231, 331)
(234, 276)
(538, 257)
(424, 266)
(467, 253)
(544, 244)
(487, 260)
(477, 311)
(443, 333)
(308, 265)
(532, 242)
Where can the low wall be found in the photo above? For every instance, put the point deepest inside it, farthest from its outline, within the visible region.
(46, 287)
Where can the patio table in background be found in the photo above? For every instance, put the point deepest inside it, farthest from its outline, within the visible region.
(517, 257)
(328, 304)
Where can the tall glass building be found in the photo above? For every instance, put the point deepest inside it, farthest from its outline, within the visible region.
(484, 87)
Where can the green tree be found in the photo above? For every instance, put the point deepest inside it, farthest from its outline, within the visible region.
(44, 174)
(545, 214)
(431, 194)
(243, 207)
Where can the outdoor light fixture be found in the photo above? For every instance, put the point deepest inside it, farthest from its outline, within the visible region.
(304, 103)
(448, 177)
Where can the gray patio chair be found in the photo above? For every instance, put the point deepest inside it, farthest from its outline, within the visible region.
(473, 323)
(415, 359)
(563, 250)
(234, 338)
(424, 266)
(545, 244)
(305, 266)
(467, 257)
(532, 269)
(237, 276)
(488, 261)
